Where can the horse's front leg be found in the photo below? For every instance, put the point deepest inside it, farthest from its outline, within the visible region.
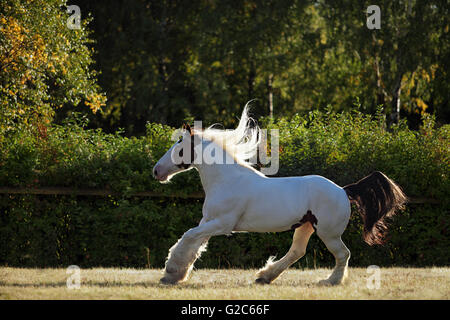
(183, 254)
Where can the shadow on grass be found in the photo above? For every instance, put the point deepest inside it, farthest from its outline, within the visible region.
(106, 284)
(157, 284)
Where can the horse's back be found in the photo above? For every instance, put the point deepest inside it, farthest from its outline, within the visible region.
(275, 204)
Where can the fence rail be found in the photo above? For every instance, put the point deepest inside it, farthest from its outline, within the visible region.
(106, 192)
(91, 192)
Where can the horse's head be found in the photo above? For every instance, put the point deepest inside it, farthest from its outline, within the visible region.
(210, 146)
(178, 158)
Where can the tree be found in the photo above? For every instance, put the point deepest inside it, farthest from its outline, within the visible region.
(245, 47)
(171, 61)
(144, 50)
(404, 51)
(43, 64)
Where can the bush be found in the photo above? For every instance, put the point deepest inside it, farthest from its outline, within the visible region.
(131, 231)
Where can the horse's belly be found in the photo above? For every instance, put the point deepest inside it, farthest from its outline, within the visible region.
(252, 227)
(267, 219)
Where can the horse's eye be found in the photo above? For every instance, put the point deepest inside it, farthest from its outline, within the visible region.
(180, 139)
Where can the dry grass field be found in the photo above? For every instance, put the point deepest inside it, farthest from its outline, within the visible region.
(395, 283)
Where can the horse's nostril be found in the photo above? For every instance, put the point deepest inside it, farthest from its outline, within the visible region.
(155, 172)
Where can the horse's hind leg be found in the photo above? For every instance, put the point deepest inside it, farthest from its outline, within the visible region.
(298, 248)
(341, 254)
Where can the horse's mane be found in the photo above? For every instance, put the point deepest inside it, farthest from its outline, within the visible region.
(241, 143)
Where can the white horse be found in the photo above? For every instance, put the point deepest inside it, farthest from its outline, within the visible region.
(242, 199)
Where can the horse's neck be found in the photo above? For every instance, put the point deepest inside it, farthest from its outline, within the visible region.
(213, 175)
(217, 174)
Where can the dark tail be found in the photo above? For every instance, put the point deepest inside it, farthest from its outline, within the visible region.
(377, 198)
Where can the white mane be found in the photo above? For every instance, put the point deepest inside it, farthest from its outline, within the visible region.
(241, 143)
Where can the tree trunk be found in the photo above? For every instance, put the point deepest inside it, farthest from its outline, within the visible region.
(162, 67)
(380, 91)
(251, 81)
(396, 100)
(270, 89)
(164, 101)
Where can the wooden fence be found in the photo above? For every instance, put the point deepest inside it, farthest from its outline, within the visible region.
(152, 194)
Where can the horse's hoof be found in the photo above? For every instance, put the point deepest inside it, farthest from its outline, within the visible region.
(262, 281)
(324, 283)
(171, 269)
(327, 283)
(166, 281)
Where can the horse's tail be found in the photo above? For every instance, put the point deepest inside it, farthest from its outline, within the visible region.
(377, 198)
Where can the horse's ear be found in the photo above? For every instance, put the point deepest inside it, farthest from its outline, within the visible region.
(188, 128)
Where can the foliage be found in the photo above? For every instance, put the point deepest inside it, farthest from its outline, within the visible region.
(43, 64)
(126, 230)
(204, 59)
(400, 59)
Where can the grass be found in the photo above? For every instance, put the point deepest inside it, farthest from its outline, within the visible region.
(100, 283)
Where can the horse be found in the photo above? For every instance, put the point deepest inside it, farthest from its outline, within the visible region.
(239, 198)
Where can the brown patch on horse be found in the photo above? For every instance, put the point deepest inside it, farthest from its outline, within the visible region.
(184, 165)
(187, 127)
(308, 217)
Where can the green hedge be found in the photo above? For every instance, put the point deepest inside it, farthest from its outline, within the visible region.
(125, 230)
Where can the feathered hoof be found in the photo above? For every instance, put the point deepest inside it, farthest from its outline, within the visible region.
(328, 283)
(262, 281)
